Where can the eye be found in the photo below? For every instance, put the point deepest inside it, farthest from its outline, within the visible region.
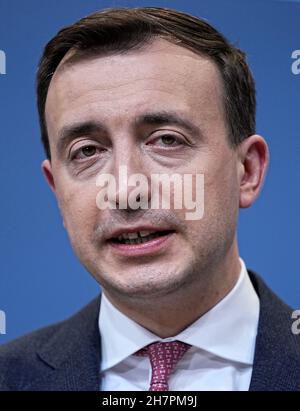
(88, 151)
(85, 152)
(167, 140)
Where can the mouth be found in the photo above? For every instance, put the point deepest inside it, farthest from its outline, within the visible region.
(140, 242)
(139, 237)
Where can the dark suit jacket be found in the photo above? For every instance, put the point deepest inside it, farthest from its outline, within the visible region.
(66, 356)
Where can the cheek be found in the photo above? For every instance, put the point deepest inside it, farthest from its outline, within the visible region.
(221, 200)
(221, 179)
(78, 207)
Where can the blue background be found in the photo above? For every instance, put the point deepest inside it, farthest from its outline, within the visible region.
(41, 280)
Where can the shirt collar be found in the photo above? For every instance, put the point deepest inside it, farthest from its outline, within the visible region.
(228, 330)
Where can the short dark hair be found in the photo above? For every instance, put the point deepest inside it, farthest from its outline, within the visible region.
(117, 30)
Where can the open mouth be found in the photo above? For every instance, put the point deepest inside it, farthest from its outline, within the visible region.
(139, 237)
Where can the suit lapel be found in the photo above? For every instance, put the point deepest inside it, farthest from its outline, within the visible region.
(276, 362)
(72, 355)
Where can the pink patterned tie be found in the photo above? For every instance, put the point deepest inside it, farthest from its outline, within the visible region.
(163, 358)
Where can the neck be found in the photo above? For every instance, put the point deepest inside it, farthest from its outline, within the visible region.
(169, 315)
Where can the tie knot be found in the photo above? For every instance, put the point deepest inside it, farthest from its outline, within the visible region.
(163, 358)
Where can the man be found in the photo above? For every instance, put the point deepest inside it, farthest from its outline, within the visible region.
(158, 92)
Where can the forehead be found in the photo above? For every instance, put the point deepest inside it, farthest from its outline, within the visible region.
(159, 76)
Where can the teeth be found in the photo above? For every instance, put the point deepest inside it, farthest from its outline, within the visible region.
(145, 233)
(134, 236)
(139, 240)
(139, 237)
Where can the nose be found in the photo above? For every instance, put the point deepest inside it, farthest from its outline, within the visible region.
(133, 189)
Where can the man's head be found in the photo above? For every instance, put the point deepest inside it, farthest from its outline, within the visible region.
(157, 91)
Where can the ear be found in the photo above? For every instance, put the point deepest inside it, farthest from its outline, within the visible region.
(253, 164)
(47, 171)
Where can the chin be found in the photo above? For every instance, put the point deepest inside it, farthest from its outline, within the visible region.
(144, 285)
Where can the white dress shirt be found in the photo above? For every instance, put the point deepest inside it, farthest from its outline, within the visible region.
(221, 356)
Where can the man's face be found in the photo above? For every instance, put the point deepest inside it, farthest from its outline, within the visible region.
(116, 95)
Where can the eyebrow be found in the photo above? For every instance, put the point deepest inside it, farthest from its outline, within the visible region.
(167, 117)
(73, 131)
